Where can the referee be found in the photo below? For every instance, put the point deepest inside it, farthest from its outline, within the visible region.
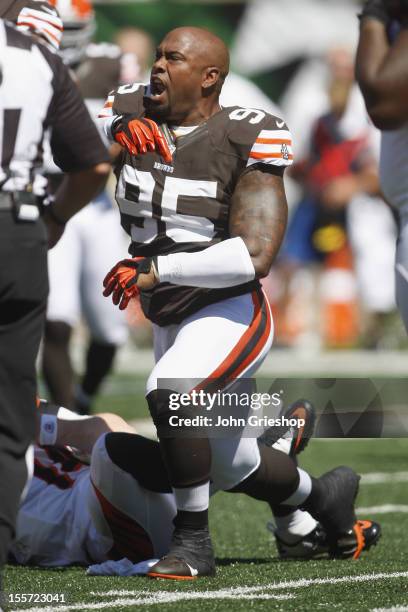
(382, 73)
(36, 93)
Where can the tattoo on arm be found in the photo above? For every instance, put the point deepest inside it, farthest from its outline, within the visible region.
(259, 216)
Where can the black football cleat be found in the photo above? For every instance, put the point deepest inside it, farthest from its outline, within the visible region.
(362, 536)
(334, 506)
(190, 556)
(316, 544)
(292, 440)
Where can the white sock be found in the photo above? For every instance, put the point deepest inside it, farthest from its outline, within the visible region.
(193, 499)
(294, 525)
(302, 492)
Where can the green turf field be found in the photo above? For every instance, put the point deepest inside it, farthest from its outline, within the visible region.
(249, 575)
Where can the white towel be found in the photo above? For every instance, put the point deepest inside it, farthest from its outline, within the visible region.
(124, 567)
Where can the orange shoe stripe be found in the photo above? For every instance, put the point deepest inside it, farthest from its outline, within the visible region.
(300, 413)
(170, 576)
(360, 540)
(365, 524)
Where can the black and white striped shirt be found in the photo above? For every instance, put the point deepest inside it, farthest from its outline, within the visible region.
(37, 93)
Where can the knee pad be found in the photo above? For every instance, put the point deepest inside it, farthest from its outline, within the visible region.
(186, 449)
(139, 457)
(169, 421)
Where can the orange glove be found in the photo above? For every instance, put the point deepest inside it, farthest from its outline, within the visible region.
(121, 281)
(138, 136)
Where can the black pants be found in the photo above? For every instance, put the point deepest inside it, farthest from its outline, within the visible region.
(23, 297)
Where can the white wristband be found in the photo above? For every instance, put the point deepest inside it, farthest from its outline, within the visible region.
(48, 430)
(107, 125)
(225, 264)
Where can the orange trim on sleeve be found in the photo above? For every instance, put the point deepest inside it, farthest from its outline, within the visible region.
(277, 141)
(270, 156)
(47, 32)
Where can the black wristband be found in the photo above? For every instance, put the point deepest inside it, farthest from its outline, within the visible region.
(146, 266)
(57, 220)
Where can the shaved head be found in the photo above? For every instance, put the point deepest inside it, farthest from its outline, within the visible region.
(187, 76)
(208, 48)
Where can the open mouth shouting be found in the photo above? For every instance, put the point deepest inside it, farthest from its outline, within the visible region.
(157, 91)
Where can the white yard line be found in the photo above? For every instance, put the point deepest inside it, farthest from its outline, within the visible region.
(383, 477)
(261, 592)
(385, 509)
(141, 598)
(393, 609)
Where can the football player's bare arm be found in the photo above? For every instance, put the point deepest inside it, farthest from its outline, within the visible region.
(83, 433)
(382, 73)
(62, 427)
(259, 215)
(76, 190)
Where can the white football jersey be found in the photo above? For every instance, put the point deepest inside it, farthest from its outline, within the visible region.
(75, 514)
(53, 523)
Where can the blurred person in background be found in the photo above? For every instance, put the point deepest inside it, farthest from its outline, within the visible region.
(43, 96)
(94, 240)
(339, 223)
(137, 46)
(382, 73)
(240, 90)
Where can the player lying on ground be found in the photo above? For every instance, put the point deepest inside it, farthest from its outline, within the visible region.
(122, 505)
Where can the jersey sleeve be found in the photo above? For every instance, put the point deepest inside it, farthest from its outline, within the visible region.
(260, 138)
(75, 142)
(126, 99)
(272, 145)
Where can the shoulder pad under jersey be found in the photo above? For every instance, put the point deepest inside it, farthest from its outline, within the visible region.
(253, 135)
(125, 99)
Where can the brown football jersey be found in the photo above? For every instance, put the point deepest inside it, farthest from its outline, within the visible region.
(184, 206)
